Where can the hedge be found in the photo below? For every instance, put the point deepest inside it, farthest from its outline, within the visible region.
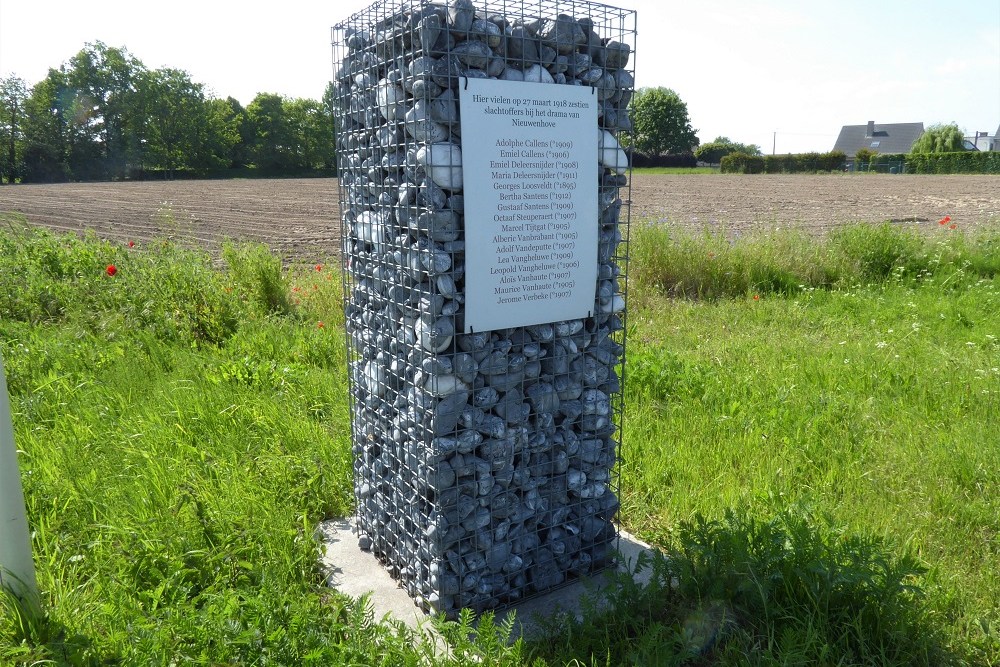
(679, 160)
(741, 163)
(965, 162)
(801, 163)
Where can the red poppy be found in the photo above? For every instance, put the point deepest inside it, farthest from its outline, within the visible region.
(319, 267)
(319, 325)
(945, 220)
(756, 297)
(111, 270)
(131, 244)
(953, 226)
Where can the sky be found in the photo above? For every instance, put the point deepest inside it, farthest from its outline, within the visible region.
(782, 74)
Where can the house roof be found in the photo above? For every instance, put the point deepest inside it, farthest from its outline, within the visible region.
(884, 138)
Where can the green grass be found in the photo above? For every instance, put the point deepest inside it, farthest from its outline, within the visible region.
(810, 437)
(676, 170)
(183, 430)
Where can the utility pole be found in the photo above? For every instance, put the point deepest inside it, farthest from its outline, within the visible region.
(17, 569)
(774, 142)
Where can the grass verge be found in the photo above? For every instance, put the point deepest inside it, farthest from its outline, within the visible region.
(675, 170)
(818, 462)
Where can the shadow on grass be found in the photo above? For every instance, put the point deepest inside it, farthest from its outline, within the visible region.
(792, 590)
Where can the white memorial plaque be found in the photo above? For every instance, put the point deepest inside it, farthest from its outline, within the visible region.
(529, 166)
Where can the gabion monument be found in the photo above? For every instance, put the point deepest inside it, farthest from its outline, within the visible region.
(482, 189)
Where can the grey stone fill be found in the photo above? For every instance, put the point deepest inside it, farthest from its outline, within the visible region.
(483, 461)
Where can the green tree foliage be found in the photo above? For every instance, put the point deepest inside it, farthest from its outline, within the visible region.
(48, 129)
(312, 125)
(714, 151)
(177, 118)
(13, 98)
(290, 134)
(940, 138)
(226, 119)
(661, 123)
(106, 81)
(272, 142)
(103, 114)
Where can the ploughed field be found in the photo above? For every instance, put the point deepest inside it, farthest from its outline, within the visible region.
(299, 218)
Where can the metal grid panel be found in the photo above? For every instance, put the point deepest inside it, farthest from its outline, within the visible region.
(484, 463)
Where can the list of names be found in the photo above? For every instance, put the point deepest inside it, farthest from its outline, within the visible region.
(530, 173)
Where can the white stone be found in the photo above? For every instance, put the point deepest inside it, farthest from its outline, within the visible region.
(444, 385)
(370, 227)
(419, 125)
(538, 74)
(610, 153)
(390, 100)
(443, 164)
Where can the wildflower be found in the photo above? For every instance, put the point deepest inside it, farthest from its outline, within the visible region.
(319, 325)
(756, 297)
(319, 267)
(953, 226)
(111, 270)
(131, 244)
(945, 220)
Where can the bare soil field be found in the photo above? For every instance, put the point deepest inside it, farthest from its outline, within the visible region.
(299, 218)
(736, 203)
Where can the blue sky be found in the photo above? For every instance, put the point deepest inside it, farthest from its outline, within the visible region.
(754, 71)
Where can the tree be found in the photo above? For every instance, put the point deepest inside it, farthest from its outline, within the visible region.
(106, 81)
(224, 142)
(661, 124)
(48, 134)
(940, 138)
(311, 126)
(13, 97)
(714, 151)
(177, 118)
(272, 141)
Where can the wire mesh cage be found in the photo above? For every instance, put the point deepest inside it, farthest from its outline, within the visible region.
(484, 460)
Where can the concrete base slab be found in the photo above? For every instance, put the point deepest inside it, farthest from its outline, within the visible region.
(355, 573)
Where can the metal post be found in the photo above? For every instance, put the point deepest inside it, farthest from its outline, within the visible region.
(17, 570)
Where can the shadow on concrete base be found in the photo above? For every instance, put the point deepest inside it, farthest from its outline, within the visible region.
(355, 573)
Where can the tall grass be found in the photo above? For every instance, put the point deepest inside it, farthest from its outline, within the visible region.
(183, 429)
(868, 394)
(817, 463)
(712, 266)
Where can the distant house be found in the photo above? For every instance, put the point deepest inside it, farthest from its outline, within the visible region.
(888, 138)
(982, 141)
